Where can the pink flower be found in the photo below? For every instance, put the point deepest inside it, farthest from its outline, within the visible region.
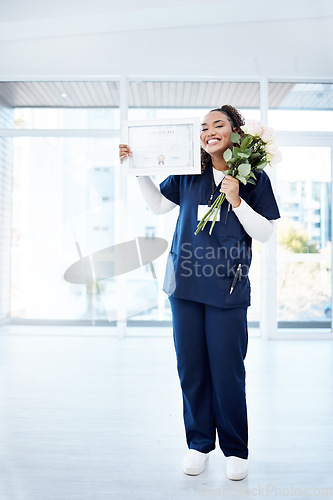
(267, 134)
(252, 127)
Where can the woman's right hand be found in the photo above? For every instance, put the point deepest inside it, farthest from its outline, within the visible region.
(124, 152)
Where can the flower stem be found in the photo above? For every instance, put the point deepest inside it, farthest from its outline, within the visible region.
(221, 199)
(201, 225)
(214, 208)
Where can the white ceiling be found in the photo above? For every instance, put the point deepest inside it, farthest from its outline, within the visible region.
(83, 39)
(21, 20)
(167, 94)
(20, 10)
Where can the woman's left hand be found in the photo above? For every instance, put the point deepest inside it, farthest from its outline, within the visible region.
(230, 186)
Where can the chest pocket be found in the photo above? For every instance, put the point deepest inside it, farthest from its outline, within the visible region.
(229, 224)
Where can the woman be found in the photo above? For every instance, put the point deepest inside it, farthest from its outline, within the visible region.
(209, 291)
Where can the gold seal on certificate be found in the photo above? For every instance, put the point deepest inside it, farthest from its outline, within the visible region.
(163, 146)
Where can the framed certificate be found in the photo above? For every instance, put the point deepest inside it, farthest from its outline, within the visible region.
(163, 146)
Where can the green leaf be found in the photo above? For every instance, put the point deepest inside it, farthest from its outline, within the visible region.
(252, 175)
(251, 181)
(243, 155)
(235, 152)
(241, 179)
(261, 164)
(235, 138)
(244, 169)
(227, 155)
(245, 142)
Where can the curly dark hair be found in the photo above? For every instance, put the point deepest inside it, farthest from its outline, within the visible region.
(235, 119)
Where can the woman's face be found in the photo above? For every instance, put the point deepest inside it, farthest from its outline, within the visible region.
(215, 133)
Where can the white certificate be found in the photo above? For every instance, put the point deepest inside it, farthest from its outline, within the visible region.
(163, 146)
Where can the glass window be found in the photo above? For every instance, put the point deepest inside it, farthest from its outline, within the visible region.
(304, 237)
(63, 206)
(66, 118)
(301, 106)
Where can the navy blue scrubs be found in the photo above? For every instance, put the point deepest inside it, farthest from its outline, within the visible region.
(209, 323)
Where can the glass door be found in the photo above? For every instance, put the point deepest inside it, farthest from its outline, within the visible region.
(304, 235)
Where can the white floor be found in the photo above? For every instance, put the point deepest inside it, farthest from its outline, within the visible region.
(85, 416)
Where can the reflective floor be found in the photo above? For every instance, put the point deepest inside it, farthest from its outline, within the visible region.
(86, 416)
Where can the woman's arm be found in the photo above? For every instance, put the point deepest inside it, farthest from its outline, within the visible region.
(256, 226)
(155, 200)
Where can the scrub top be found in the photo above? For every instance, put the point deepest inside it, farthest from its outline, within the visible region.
(203, 267)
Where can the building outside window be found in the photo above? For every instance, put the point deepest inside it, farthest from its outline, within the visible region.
(70, 199)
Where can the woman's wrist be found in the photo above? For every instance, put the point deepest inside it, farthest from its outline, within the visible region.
(236, 205)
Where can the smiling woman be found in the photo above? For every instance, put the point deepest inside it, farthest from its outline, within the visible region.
(210, 292)
(225, 120)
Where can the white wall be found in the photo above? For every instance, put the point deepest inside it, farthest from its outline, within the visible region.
(293, 39)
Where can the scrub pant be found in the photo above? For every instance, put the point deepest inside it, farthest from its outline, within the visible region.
(211, 345)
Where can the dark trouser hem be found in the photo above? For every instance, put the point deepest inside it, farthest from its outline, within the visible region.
(237, 454)
(211, 345)
(202, 449)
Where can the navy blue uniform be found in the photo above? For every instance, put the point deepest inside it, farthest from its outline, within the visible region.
(209, 323)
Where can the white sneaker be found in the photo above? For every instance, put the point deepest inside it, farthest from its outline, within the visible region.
(194, 462)
(236, 468)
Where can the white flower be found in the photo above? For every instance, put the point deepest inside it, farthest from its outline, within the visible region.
(271, 148)
(267, 134)
(252, 127)
(274, 157)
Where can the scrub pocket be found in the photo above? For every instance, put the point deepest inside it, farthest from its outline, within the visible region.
(241, 295)
(169, 284)
(233, 227)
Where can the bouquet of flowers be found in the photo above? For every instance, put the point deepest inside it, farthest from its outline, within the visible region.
(250, 154)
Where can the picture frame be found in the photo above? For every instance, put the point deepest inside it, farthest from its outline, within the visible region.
(162, 146)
